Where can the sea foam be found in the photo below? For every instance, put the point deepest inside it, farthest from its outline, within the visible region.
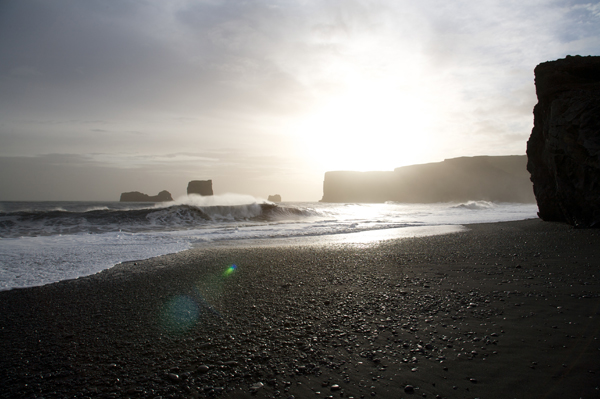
(40, 245)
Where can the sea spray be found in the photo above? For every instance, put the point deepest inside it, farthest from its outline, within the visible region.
(186, 212)
(229, 199)
(475, 205)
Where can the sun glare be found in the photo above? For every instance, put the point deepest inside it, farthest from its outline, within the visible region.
(367, 128)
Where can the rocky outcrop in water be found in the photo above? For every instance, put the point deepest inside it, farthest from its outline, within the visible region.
(564, 147)
(200, 187)
(489, 178)
(275, 198)
(136, 196)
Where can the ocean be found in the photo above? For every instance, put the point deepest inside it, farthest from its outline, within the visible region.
(46, 242)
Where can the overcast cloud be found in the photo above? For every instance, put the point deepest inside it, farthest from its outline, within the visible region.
(263, 97)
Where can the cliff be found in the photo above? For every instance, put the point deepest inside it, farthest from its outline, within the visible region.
(136, 196)
(201, 187)
(564, 147)
(347, 186)
(275, 198)
(490, 178)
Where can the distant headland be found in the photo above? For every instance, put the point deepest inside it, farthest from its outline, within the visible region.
(489, 178)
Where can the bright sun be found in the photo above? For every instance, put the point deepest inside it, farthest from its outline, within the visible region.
(367, 128)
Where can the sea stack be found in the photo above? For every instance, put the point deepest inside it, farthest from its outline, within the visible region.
(200, 187)
(275, 198)
(564, 147)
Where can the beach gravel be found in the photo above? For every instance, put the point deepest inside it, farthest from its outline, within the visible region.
(500, 310)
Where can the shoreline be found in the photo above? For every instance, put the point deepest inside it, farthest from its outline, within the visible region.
(360, 237)
(47, 247)
(508, 309)
(364, 236)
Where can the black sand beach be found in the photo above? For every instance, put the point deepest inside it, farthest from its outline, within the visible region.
(503, 310)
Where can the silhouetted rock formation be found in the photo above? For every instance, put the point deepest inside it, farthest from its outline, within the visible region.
(275, 198)
(136, 196)
(564, 148)
(489, 178)
(201, 187)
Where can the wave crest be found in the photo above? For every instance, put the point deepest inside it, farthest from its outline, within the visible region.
(186, 213)
(229, 199)
(475, 205)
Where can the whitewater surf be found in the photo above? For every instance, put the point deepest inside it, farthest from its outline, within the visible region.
(44, 242)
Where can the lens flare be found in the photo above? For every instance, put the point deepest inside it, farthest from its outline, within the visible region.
(180, 313)
(229, 271)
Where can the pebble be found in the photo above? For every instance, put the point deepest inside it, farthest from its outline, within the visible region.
(203, 368)
(274, 348)
(257, 386)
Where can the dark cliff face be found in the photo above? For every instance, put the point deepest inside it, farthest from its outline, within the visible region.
(201, 187)
(564, 147)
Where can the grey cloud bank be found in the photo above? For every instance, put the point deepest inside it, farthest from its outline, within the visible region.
(99, 97)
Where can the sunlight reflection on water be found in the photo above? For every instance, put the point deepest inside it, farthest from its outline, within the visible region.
(374, 236)
(359, 238)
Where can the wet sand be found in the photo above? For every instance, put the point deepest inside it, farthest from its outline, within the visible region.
(503, 310)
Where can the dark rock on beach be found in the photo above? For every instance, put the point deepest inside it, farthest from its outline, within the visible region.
(564, 148)
(136, 196)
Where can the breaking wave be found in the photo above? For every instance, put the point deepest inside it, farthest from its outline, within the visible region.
(475, 205)
(44, 242)
(190, 212)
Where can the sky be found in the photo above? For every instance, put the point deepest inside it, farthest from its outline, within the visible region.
(263, 97)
